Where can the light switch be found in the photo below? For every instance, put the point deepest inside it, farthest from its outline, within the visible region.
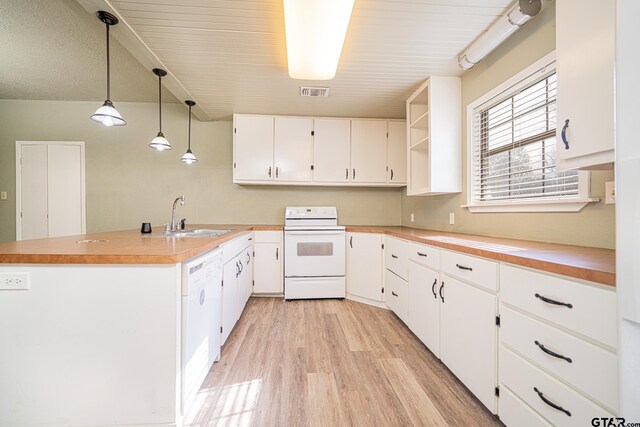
(452, 218)
(3, 195)
(413, 218)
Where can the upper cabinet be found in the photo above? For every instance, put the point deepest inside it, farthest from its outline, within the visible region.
(434, 138)
(319, 151)
(585, 50)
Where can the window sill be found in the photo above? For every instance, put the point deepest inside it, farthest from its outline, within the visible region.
(532, 206)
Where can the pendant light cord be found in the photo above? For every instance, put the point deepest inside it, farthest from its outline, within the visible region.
(160, 101)
(108, 67)
(189, 146)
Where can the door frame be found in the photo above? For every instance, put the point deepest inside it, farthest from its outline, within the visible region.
(19, 145)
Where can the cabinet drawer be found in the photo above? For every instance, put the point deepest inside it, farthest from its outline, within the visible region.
(233, 247)
(479, 271)
(396, 295)
(524, 379)
(268, 236)
(425, 255)
(592, 310)
(395, 256)
(591, 369)
(514, 412)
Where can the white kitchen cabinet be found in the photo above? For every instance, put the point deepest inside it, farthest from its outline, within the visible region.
(236, 281)
(585, 50)
(364, 266)
(253, 148)
(267, 260)
(434, 138)
(331, 150)
(245, 280)
(230, 315)
(424, 305)
(293, 152)
(369, 151)
(397, 152)
(468, 337)
(396, 294)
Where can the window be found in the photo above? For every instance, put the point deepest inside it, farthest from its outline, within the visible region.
(513, 148)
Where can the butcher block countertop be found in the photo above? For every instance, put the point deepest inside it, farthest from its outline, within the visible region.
(131, 247)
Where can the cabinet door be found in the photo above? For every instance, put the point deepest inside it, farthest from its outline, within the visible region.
(268, 268)
(369, 151)
(293, 149)
(397, 153)
(585, 40)
(244, 279)
(253, 148)
(424, 305)
(468, 343)
(229, 297)
(331, 150)
(248, 272)
(396, 294)
(364, 265)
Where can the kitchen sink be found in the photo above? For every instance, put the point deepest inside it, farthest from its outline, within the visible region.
(203, 232)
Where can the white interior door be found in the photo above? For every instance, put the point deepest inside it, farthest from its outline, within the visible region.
(65, 188)
(331, 150)
(369, 151)
(32, 212)
(268, 268)
(364, 265)
(253, 148)
(397, 152)
(293, 148)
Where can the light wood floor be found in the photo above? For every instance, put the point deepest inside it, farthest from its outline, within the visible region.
(330, 363)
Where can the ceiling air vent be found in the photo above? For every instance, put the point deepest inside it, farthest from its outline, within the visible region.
(321, 92)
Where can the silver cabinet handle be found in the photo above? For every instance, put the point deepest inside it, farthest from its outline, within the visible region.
(269, 171)
(391, 174)
(276, 171)
(354, 174)
(277, 253)
(202, 296)
(347, 174)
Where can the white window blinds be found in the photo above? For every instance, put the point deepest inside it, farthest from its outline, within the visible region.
(514, 145)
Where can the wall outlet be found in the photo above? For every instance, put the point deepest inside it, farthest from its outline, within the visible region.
(3, 195)
(413, 218)
(452, 218)
(14, 281)
(609, 193)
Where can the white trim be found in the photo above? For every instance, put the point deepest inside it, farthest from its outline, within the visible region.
(542, 205)
(19, 145)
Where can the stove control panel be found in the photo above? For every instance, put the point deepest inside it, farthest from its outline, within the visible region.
(311, 212)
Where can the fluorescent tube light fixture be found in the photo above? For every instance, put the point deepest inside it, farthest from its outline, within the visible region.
(506, 25)
(315, 32)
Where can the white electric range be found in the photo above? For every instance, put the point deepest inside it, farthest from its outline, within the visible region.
(314, 253)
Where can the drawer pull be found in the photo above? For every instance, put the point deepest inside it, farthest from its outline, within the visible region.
(394, 294)
(550, 403)
(563, 134)
(394, 256)
(433, 288)
(462, 267)
(440, 292)
(551, 353)
(554, 302)
(421, 254)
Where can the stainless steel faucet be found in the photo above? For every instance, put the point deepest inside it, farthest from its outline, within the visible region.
(173, 226)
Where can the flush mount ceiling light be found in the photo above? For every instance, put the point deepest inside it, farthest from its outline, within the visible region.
(107, 114)
(189, 158)
(315, 32)
(160, 143)
(506, 25)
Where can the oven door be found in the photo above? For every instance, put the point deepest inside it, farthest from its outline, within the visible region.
(314, 253)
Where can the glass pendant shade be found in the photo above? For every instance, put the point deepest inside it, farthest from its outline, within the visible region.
(189, 157)
(108, 115)
(160, 143)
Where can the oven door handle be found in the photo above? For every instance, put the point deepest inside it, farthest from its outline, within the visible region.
(314, 233)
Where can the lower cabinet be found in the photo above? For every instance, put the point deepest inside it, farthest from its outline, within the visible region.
(267, 263)
(230, 313)
(468, 337)
(364, 266)
(245, 279)
(397, 294)
(424, 305)
(237, 280)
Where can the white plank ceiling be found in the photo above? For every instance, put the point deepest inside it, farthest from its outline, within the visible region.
(230, 55)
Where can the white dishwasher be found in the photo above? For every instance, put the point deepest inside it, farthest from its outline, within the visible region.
(201, 320)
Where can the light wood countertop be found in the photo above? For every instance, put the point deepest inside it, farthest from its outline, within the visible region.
(131, 247)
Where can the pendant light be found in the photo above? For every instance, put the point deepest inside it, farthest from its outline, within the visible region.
(189, 157)
(160, 143)
(107, 114)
